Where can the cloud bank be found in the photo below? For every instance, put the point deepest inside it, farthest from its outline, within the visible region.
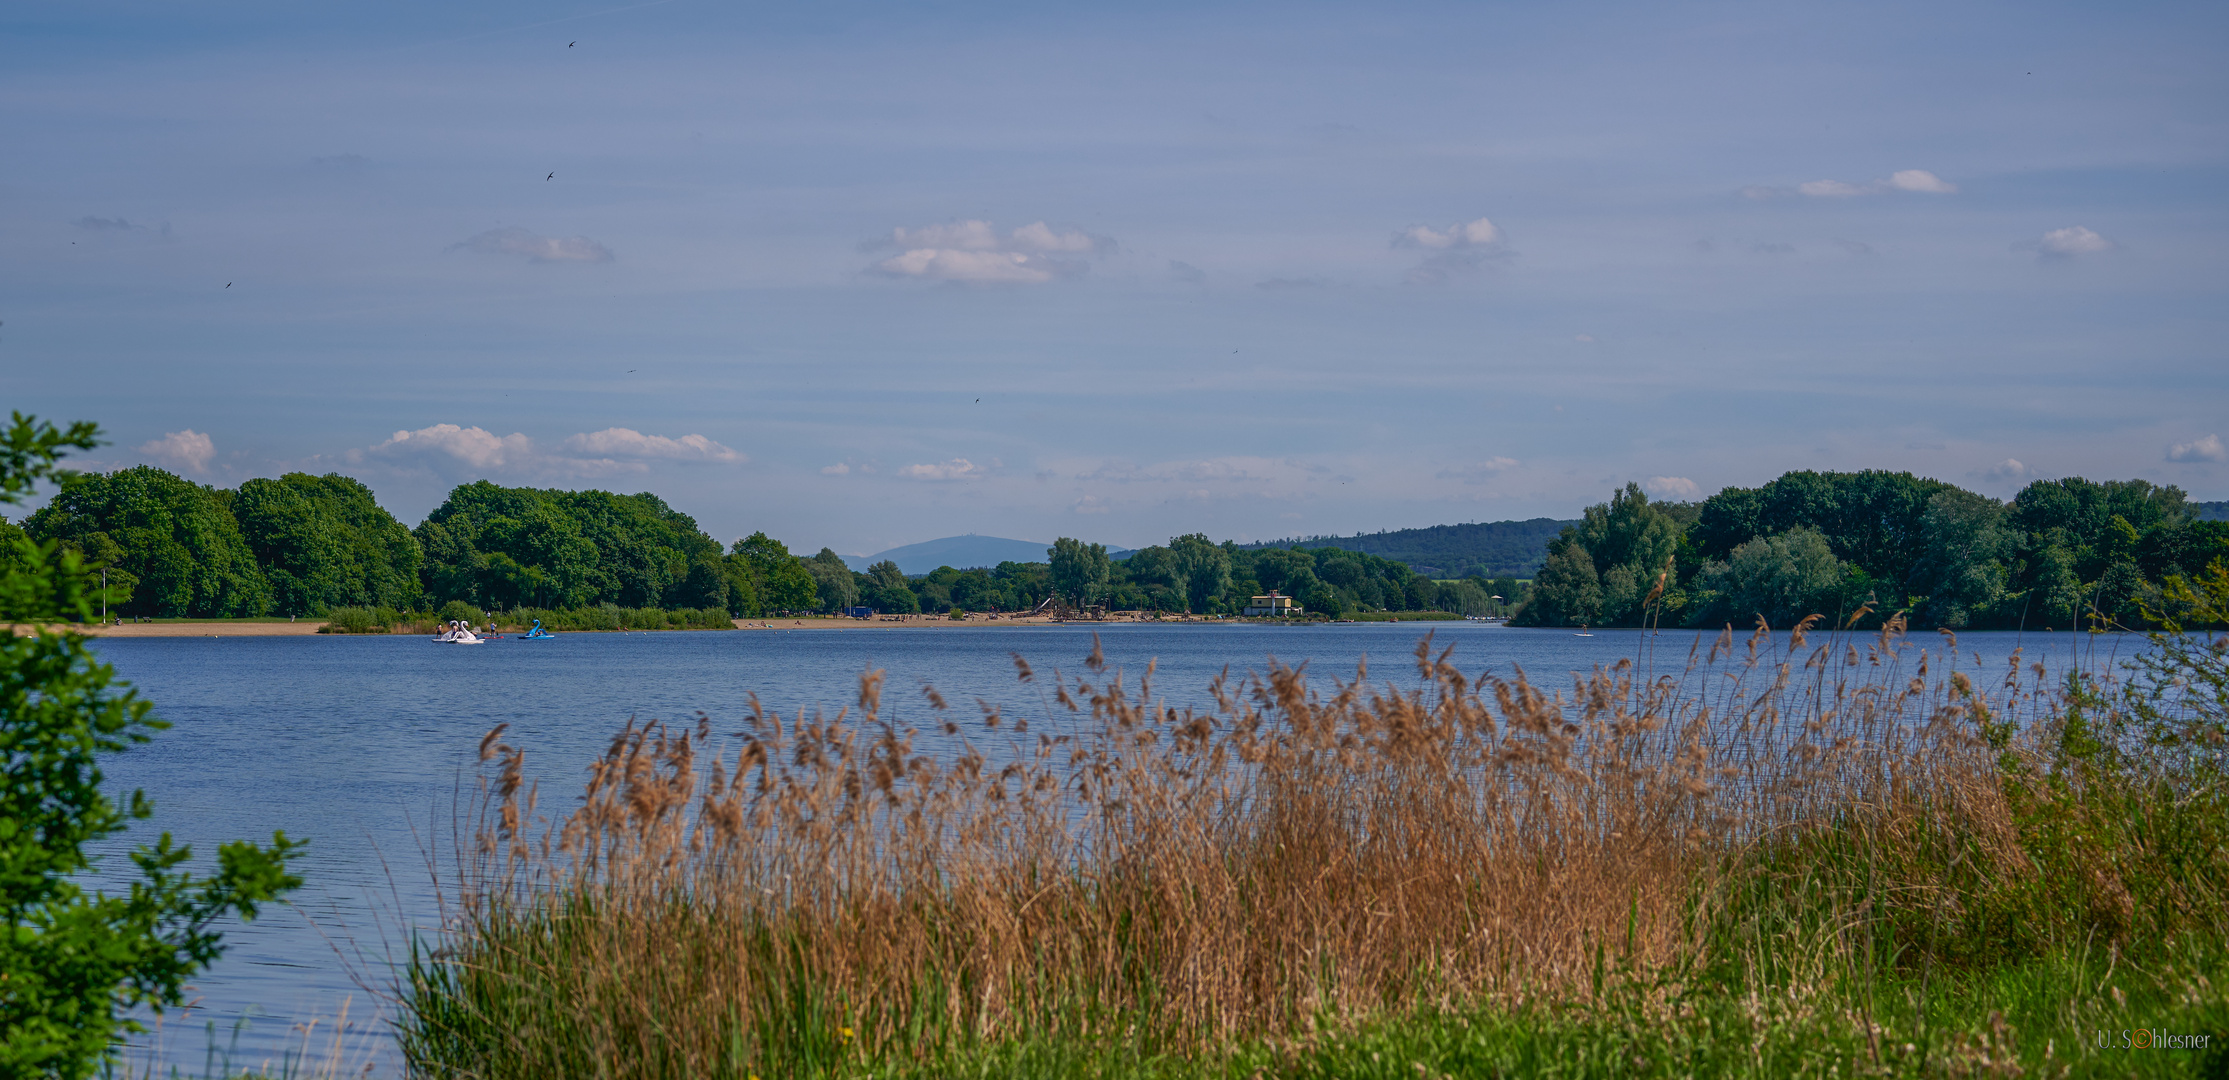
(1919, 181)
(2071, 241)
(955, 469)
(629, 443)
(2205, 449)
(973, 251)
(1457, 249)
(186, 451)
(597, 453)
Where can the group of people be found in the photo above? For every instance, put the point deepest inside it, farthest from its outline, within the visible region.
(460, 632)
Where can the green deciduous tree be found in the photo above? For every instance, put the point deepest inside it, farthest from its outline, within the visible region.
(1960, 569)
(834, 585)
(1782, 578)
(175, 538)
(780, 580)
(1206, 569)
(73, 960)
(324, 542)
(1080, 570)
(1567, 592)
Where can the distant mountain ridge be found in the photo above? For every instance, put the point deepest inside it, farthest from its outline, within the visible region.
(960, 553)
(2210, 511)
(1491, 548)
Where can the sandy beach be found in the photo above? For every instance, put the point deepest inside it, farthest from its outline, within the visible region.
(208, 628)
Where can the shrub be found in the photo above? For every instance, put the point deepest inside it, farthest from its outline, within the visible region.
(353, 620)
(458, 609)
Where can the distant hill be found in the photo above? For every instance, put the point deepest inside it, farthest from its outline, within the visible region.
(2210, 511)
(1494, 549)
(960, 553)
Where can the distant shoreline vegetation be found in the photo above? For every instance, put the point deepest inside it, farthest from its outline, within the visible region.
(367, 620)
(313, 546)
(2061, 555)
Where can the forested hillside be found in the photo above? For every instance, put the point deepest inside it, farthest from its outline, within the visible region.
(1485, 549)
(2062, 554)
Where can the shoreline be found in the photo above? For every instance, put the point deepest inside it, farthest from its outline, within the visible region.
(310, 627)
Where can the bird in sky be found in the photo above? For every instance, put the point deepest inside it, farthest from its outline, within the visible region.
(227, 284)
(550, 177)
(571, 44)
(978, 401)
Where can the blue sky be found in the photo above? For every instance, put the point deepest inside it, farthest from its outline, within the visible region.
(1249, 270)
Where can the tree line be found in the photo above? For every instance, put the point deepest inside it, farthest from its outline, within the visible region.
(2061, 554)
(1191, 574)
(1485, 549)
(305, 545)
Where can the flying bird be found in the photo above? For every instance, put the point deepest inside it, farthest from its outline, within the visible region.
(550, 177)
(571, 44)
(227, 284)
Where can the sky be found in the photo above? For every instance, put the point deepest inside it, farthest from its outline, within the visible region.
(860, 275)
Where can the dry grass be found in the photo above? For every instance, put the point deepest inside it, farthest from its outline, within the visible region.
(1780, 811)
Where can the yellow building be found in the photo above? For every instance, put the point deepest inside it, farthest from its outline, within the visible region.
(1273, 604)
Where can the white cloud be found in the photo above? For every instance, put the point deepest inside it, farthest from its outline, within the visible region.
(1479, 233)
(2007, 470)
(188, 450)
(1040, 237)
(2071, 241)
(955, 469)
(1913, 180)
(838, 469)
(1457, 249)
(517, 241)
(951, 264)
(611, 451)
(2205, 449)
(1830, 189)
(1921, 180)
(973, 251)
(627, 442)
(473, 446)
(962, 235)
(1671, 487)
(1091, 504)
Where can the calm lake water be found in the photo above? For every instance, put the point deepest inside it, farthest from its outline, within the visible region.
(360, 744)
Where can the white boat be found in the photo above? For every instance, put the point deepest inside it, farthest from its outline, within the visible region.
(459, 634)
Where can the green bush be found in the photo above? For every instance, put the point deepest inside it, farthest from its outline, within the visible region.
(353, 620)
(458, 609)
(611, 617)
(74, 960)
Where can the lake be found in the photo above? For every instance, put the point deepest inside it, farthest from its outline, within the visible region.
(361, 743)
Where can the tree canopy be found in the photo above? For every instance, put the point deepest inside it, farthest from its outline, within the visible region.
(2062, 553)
(325, 542)
(176, 545)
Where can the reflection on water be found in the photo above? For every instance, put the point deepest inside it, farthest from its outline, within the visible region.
(361, 744)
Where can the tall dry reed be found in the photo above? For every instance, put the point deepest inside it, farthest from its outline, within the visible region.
(817, 889)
